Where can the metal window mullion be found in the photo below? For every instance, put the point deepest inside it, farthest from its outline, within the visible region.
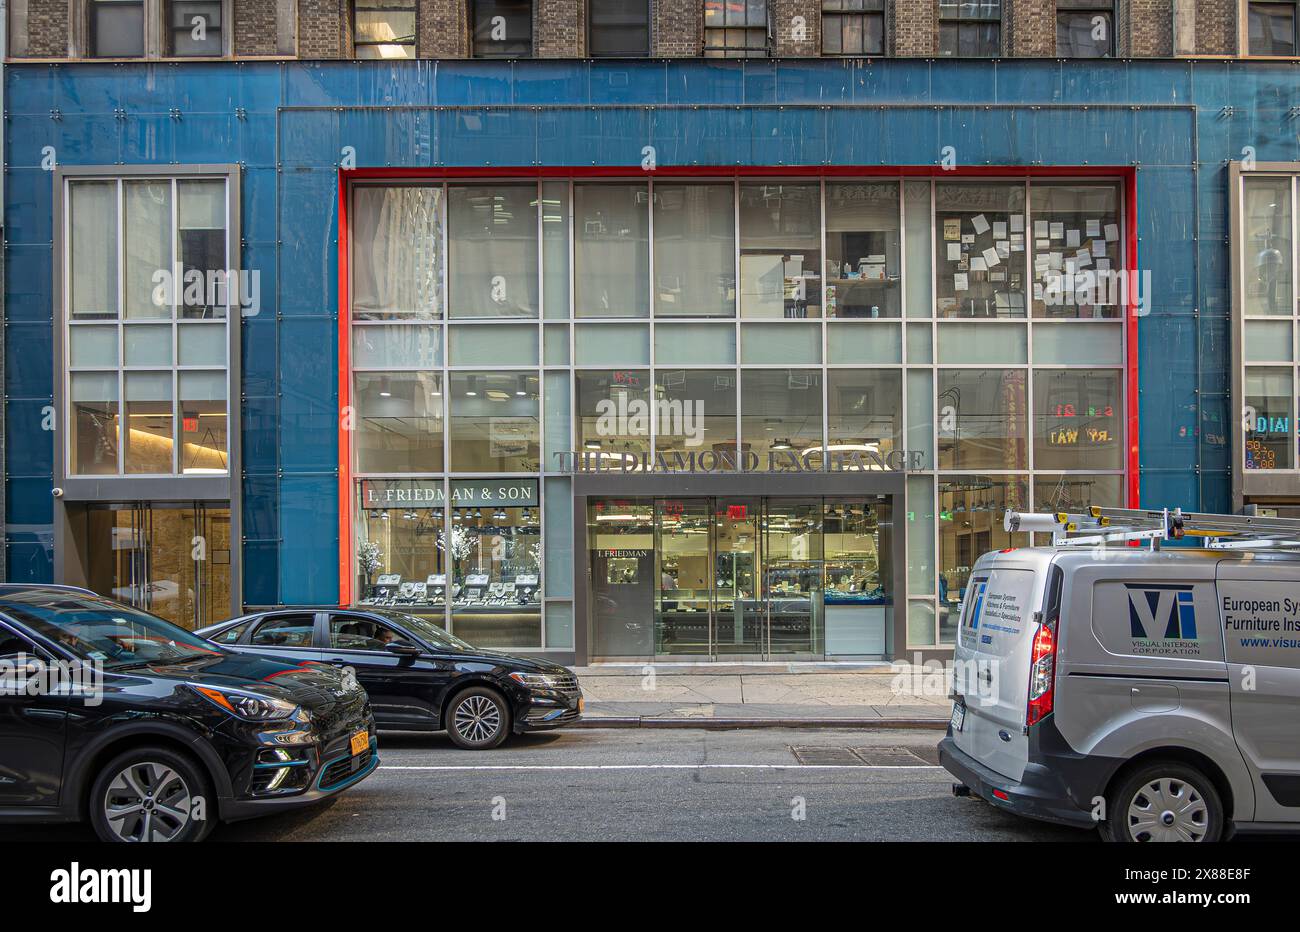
(654, 310)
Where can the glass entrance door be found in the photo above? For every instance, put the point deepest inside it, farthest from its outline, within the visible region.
(739, 618)
(173, 561)
(740, 579)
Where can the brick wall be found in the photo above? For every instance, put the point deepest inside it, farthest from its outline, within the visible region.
(1030, 27)
(1216, 27)
(47, 29)
(1149, 25)
(322, 28)
(443, 30)
(915, 28)
(678, 28)
(559, 28)
(256, 28)
(796, 28)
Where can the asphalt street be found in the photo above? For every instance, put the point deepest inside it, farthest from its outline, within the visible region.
(645, 785)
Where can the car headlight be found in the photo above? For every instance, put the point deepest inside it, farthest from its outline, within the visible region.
(536, 680)
(251, 707)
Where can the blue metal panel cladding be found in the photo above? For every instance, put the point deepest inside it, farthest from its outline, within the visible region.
(287, 125)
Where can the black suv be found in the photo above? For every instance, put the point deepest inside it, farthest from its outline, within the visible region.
(419, 677)
(112, 715)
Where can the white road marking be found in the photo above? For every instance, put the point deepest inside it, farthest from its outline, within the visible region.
(659, 767)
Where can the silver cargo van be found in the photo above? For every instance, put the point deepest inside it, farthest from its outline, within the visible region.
(1154, 694)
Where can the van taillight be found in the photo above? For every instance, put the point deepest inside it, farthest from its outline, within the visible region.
(1042, 675)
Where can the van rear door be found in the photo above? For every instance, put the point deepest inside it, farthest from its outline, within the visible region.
(1260, 607)
(991, 674)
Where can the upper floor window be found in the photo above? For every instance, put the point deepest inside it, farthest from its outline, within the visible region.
(503, 28)
(970, 28)
(383, 28)
(1272, 28)
(116, 28)
(736, 29)
(1085, 28)
(853, 27)
(618, 28)
(148, 297)
(194, 28)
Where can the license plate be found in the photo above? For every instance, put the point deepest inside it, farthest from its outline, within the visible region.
(958, 715)
(360, 742)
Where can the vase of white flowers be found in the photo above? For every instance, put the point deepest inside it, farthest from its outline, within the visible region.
(369, 559)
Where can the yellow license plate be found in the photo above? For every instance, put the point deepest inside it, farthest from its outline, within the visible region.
(360, 742)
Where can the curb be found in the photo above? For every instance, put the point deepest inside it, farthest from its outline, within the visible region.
(719, 724)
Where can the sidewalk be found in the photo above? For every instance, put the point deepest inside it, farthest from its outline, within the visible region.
(803, 695)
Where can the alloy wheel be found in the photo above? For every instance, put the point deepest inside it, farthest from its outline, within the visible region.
(477, 719)
(1168, 809)
(147, 801)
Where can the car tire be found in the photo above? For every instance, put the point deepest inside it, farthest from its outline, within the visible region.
(478, 719)
(1164, 801)
(154, 794)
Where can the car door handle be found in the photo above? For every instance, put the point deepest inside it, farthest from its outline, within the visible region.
(338, 661)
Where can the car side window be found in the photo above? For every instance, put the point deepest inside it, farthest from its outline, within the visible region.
(354, 632)
(231, 634)
(285, 631)
(14, 646)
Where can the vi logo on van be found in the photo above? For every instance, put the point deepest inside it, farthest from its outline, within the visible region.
(1162, 619)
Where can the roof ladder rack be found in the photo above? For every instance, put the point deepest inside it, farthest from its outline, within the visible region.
(1100, 526)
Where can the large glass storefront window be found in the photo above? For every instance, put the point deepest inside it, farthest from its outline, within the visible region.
(970, 524)
(780, 413)
(396, 252)
(740, 578)
(695, 250)
(492, 256)
(495, 425)
(863, 252)
(611, 250)
(981, 419)
(1077, 419)
(697, 413)
(614, 412)
(398, 422)
(979, 230)
(494, 545)
(401, 549)
(780, 250)
(483, 562)
(702, 300)
(1076, 249)
(864, 411)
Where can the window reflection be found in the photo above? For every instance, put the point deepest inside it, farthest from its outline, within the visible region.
(781, 414)
(970, 524)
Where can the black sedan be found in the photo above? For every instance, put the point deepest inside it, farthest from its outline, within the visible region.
(112, 715)
(419, 677)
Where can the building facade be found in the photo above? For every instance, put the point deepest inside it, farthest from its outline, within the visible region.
(558, 322)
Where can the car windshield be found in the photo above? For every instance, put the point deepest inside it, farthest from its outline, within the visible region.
(430, 633)
(102, 631)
